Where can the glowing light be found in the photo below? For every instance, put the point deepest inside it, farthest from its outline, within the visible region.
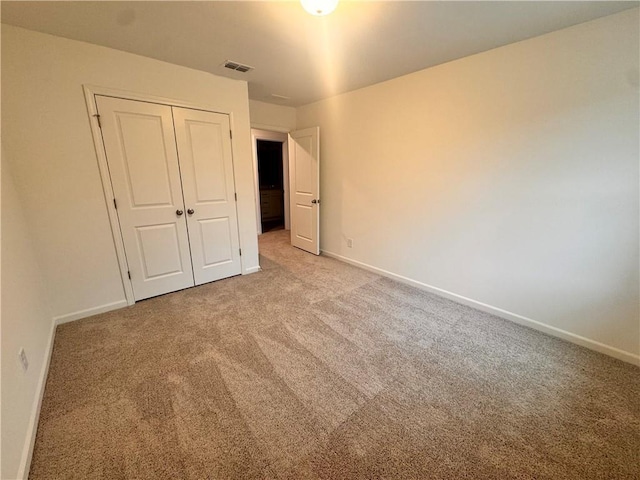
(319, 7)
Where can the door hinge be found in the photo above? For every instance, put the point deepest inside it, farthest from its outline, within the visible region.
(236, 196)
(129, 274)
(97, 115)
(115, 204)
(231, 134)
(240, 250)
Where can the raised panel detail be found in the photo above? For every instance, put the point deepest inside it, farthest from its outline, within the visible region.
(303, 167)
(215, 236)
(207, 152)
(305, 222)
(145, 162)
(159, 250)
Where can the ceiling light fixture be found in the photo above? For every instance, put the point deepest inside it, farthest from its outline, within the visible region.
(319, 7)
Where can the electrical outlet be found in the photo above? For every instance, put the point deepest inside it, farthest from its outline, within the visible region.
(22, 357)
(350, 242)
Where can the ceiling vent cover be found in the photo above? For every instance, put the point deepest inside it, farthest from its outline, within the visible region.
(238, 67)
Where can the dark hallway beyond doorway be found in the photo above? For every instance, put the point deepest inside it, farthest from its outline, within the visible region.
(271, 181)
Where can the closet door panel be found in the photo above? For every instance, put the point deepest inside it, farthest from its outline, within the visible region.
(207, 150)
(206, 165)
(143, 165)
(217, 242)
(146, 163)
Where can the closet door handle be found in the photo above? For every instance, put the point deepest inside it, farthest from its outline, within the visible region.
(179, 212)
(191, 211)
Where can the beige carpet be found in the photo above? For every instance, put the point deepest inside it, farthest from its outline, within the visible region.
(315, 369)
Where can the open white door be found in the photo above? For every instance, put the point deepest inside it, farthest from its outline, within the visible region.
(143, 163)
(304, 181)
(206, 165)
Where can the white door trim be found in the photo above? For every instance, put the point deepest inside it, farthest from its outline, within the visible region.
(270, 128)
(259, 134)
(90, 91)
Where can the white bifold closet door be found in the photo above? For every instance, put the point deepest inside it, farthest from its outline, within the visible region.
(172, 175)
(204, 149)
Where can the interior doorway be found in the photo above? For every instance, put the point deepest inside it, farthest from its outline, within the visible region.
(271, 163)
(271, 184)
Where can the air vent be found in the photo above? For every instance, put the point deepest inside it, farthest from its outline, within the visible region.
(238, 67)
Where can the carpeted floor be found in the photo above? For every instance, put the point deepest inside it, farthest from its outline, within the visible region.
(316, 369)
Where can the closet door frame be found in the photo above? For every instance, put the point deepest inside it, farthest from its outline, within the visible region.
(90, 92)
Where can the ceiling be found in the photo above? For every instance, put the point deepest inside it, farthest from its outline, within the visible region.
(296, 55)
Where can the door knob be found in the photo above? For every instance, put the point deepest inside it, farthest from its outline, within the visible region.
(179, 212)
(191, 211)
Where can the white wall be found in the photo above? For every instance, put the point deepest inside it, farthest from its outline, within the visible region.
(48, 140)
(508, 177)
(276, 118)
(26, 322)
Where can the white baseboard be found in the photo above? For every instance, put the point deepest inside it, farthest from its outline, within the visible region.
(32, 429)
(514, 317)
(252, 270)
(70, 317)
